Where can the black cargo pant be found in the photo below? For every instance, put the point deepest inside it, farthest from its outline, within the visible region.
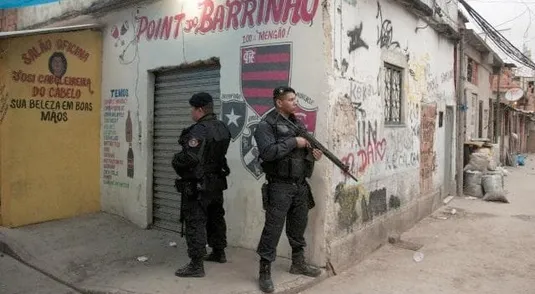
(288, 202)
(205, 221)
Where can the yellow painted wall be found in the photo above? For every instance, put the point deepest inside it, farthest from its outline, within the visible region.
(50, 129)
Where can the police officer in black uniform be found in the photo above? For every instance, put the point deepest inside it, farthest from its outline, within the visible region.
(202, 167)
(287, 160)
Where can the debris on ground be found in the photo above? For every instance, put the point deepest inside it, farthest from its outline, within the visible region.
(448, 199)
(418, 256)
(497, 196)
(397, 242)
(142, 258)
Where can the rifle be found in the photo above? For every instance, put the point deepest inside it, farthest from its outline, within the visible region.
(185, 190)
(316, 144)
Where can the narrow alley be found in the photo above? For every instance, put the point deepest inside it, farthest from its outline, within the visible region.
(484, 247)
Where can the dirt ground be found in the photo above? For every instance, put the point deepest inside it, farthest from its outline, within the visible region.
(484, 247)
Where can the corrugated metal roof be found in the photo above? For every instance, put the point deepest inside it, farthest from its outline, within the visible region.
(4, 35)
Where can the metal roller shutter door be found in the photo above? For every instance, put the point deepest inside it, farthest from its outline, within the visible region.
(173, 89)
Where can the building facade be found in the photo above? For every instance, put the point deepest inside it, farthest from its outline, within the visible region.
(49, 125)
(375, 83)
(481, 63)
(515, 125)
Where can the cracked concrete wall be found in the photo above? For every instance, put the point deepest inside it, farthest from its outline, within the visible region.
(401, 167)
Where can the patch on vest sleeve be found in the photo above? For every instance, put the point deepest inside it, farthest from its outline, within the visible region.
(193, 143)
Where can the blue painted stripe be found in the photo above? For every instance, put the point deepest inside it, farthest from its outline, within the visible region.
(6, 4)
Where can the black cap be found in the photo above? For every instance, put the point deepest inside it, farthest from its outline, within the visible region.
(281, 91)
(200, 99)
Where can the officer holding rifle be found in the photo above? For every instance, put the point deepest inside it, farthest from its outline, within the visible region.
(287, 160)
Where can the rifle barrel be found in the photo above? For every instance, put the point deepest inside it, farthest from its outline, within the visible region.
(333, 158)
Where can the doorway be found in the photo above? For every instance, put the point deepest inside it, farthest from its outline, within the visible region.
(480, 120)
(172, 90)
(449, 132)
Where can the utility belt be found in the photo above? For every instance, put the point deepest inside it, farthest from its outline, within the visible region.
(208, 182)
(277, 179)
(271, 180)
(188, 190)
(288, 168)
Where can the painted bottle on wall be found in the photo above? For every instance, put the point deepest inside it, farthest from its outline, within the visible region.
(128, 128)
(130, 162)
(130, 155)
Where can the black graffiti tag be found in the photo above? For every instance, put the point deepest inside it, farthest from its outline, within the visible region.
(356, 39)
(386, 32)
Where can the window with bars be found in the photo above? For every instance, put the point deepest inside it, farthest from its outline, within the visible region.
(392, 94)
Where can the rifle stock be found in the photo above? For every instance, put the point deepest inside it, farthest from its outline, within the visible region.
(316, 144)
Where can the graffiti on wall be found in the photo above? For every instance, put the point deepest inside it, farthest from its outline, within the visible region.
(207, 16)
(52, 92)
(355, 39)
(233, 113)
(358, 206)
(403, 151)
(425, 85)
(242, 122)
(427, 142)
(230, 15)
(371, 149)
(249, 151)
(119, 33)
(262, 69)
(267, 35)
(385, 31)
(115, 113)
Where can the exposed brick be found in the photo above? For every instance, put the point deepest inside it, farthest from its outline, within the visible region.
(8, 20)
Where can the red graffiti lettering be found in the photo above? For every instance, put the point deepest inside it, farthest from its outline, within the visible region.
(206, 20)
(250, 7)
(160, 29)
(234, 7)
(364, 158)
(232, 14)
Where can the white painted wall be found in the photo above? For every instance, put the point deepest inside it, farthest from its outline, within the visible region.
(483, 91)
(244, 214)
(356, 98)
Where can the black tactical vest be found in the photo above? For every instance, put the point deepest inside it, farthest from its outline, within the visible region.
(297, 165)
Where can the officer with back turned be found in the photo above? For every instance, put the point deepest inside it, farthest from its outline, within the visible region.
(287, 160)
(202, 167)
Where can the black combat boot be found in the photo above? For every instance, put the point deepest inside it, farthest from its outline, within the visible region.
(194, 269)
(299, 267)
(264, 280)
(217, 255)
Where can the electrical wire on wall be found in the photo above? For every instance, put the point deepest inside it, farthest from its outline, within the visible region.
(497, 38)
(137, 58)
